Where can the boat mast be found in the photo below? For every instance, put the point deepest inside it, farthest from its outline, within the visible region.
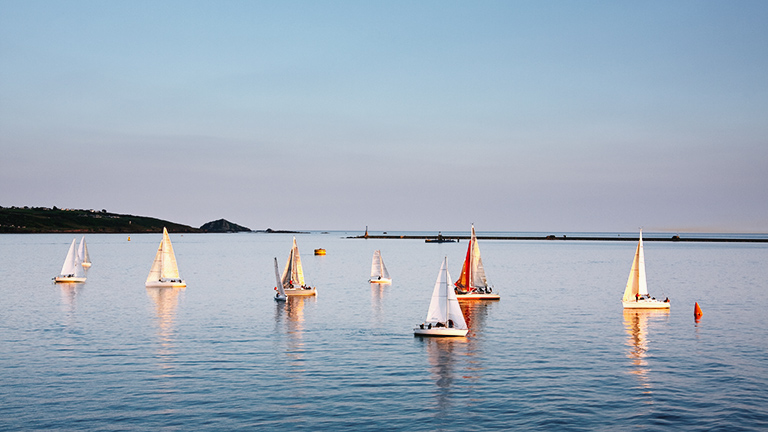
(447, 301)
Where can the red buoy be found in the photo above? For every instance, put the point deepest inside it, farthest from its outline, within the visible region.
(697, 311)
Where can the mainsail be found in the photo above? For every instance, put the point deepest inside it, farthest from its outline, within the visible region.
(378, 269)
(472, 273)
(164, 266)
(72, 265)
(293, 274)
(636, 284)
(444, 306)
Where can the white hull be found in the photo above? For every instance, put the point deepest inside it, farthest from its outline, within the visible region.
(69, 279)
(440, 332)
(165, 284)
(300, 291)
(381, 281)
(645, 304)
(86, 264)
(478, 296)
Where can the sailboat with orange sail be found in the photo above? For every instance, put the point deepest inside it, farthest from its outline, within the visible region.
(472, 284)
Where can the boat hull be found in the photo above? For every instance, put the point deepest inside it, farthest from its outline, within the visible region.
(478, 296)
(300, 292)
(645, 304)
(86, 264)
(440, 332)
(165, 284)
(380, 281)
(69, 279)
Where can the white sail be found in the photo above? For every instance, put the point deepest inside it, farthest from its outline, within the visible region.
(82, 253)
(164, 267)
(444, 306)
(293, 274)
(279, 285)
(378, 269)
(478, 271)
(72, 263)
(636, 283)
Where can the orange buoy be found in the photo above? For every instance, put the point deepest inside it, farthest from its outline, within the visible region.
(697, 311)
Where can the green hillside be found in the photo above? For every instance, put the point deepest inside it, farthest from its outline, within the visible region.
(54, 220)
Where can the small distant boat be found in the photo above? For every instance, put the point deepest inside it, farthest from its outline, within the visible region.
(82, 253)
(444, 317)
(165, 272)
(293, 275)
(440, 239)
(320, 251)
(72, 271)
(280, 295)
(636, 293)
(472, 284)
(379, 273)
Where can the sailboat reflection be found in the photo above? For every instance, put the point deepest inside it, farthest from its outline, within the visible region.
(475, 314)
(69, 295)
(292, 312)
(69, 292)
(441, 353)
(378, 291)
(166, 300)
(636, 322)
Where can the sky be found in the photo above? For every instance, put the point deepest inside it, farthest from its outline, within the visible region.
(396, 115)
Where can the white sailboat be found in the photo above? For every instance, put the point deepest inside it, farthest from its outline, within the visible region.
(444, 317)
(82, 253)
(293, 275)
(379, 273)
(72, 271)
(636, 293)
(165, 272)
(280, 295)
(472, 284)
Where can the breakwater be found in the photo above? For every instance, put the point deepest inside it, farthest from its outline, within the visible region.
(552, 237)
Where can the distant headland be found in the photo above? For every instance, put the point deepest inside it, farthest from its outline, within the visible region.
(30, 220)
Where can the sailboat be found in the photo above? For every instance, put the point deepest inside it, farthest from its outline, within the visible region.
(82, 253)
(72, 270)
(444, 317)
(293, 275)
(636, 293)
(165, 272)
(280, 295)
(472, 284)
(379, 273)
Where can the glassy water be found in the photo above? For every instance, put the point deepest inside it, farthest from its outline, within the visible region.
(557, 352)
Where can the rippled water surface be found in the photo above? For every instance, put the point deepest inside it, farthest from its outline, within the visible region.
(557, 352)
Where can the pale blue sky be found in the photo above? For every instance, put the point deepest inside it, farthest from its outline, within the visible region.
(520, 116)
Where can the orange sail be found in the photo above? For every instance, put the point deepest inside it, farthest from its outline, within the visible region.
(463, 283)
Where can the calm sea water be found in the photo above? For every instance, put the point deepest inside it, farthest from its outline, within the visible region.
(557, 352)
